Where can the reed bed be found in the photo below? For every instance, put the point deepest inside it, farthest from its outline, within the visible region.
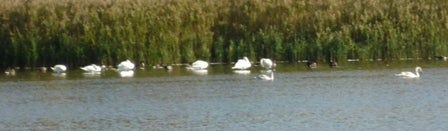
(79, 32)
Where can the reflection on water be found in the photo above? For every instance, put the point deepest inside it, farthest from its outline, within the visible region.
(358, 98)
(92, 74)
(61, 75)
(199, 71)
(129, 73)
(242, 72)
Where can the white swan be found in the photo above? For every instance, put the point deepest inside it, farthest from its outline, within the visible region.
(199, 65)
(266, 63)
(59, 68)
(410, 74)
(125, 66)
(10, 71)
(242, 64)
(265, 77)
(311, 65)
(92, 68)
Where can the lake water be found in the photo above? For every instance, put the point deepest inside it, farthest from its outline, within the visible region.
(355, 97)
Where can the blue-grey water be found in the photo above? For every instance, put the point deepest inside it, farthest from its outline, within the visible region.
(327, 99)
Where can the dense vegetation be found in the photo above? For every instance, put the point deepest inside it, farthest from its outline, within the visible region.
(79, 32)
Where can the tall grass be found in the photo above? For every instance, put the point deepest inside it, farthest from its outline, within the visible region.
(78, 32)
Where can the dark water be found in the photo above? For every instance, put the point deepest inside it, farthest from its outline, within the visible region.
(356, 97)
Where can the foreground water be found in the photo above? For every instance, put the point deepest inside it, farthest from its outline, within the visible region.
(352, 98)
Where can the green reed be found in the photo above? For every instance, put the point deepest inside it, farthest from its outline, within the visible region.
(79, 32)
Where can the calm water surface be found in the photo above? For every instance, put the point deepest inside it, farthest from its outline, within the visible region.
(355, 98)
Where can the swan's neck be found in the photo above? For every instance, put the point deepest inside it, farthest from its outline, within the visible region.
(416, 72)
(272, 75)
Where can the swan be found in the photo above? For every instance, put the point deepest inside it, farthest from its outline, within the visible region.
(440, 57)
(126, 66)
(42, 69)
(311, 65)
(168, 68)
(198, 65)
(59, 68)
(410, 74)
(142, 65)
(265, 77)
(157, 66)
(104, 67)
(242, 64)
(10, 71)
(332, 63)
(266, 63)
(92, 68)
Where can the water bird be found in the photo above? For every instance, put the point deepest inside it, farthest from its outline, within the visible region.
(10, 71)
(43, 69)
(125, 66)
(157, 66)
(142, 65)
(266, 63)
(168, 67)
(311, 65)
(265, 77)
(104, 67)
(408, 74)
(440, 57)
(92, 68)
(59, 68)
(332, 63)
(198, 65)
(242, 64)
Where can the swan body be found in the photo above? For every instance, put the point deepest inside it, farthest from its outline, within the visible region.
(126, 66)
(265, 77)
(311, 65)
(199, 65)
(10, 71)
(92, 68)
(142, 65)
(59, 68)
(440, 57)
(42, 69)
(333, 63)
(410, 74)
(242, 64)
(266, 63)
(168, 67)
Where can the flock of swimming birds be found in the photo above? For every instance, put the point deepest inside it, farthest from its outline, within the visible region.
(126, 68)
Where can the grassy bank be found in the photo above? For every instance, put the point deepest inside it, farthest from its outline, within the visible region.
(79, 32)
